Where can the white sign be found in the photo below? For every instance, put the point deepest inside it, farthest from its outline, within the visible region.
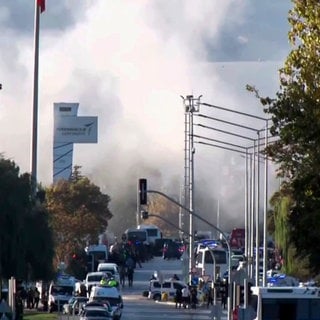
(76, 129)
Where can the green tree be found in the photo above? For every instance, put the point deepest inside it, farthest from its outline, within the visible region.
(25, 247)
(79, 213)
(296, 122)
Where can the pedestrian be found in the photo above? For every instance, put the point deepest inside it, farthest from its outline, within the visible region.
(30, 299)
(36, 295)
(185, 297)
(210, 297)
(130, 272)
(178, 298)
(175, 277)
(193, 297)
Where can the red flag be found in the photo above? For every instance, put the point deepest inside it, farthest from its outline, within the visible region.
(42, 5)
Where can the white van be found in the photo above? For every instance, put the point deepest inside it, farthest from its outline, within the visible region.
(110, 268)
(156, 288)
(111, 294)
(93, 279)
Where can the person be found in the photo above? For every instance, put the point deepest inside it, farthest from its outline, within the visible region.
(36, 295)
(153, 277)
(112, 282)
(104, 281)
(210, 297)
(130, 273)
(175, 277)
(185, 297)
(19, 307)
(178, 298)
(193, 297)
(30, 299)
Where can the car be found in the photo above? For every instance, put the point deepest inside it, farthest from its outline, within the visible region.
(112, 295)
(95, 313)
(74, 305)
(171, 250)
(94, 278)
(168, 286)
(110, 268)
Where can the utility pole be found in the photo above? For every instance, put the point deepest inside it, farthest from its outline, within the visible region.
(191, 105)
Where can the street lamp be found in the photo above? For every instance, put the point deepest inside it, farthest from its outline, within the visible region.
(258, 184)
(191, 105)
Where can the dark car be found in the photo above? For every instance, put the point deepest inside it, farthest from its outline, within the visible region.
(171, 250)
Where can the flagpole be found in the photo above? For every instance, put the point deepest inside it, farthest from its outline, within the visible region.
(35, 100)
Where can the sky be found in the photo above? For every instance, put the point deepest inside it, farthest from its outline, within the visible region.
(128, 62)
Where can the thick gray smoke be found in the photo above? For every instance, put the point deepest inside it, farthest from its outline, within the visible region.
(128, 62)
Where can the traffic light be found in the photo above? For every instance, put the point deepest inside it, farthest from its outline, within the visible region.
(144, 214)
(142, 191)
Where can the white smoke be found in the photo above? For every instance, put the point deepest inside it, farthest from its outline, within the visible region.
(128, 62)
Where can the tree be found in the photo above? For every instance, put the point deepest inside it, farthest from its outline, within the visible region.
(25, 247)
(158, 205)
(296, 123)
(79, 213)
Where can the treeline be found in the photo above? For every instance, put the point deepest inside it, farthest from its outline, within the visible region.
(39, 232)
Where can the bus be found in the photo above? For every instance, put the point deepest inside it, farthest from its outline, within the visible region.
(209, 257)
(95, 254)
(282, 303)
(153, 232)
(136, 236)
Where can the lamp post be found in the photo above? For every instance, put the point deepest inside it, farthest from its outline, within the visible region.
(191, 105)
(257, 179)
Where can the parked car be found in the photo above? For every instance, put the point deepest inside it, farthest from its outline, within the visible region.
(74, 305)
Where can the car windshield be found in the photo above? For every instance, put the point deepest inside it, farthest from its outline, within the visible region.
(112, 301)
(96, 313)
(95, 278)
(62, 290)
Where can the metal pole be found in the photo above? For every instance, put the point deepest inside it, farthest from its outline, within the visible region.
(257, 264)
(35, 101)
(246, 201)
(191, 186)
(265, 212)
(253, 178)
(215, 228)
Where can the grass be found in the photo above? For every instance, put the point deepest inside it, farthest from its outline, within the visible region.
(33, 315)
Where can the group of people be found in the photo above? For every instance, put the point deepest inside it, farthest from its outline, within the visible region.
(30, 298)
(186, 297)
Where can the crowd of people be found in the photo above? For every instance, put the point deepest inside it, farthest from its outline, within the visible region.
(29, 298)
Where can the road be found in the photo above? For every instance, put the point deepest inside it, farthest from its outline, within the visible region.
(136, 306)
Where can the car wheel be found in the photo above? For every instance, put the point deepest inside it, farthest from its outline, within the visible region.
(157, 297)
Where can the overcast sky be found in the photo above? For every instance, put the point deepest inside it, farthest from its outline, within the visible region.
(128, 62)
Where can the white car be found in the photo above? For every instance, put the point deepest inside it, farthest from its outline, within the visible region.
(112, 295)
(110, 268)
(93, 313)
(93, 279)
(168, 286)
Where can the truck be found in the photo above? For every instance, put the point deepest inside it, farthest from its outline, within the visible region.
(280, 303)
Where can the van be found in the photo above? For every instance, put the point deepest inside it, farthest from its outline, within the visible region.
(111, 294)
(60, 291)
(110, 268)
(168, 286)
(93, 279)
